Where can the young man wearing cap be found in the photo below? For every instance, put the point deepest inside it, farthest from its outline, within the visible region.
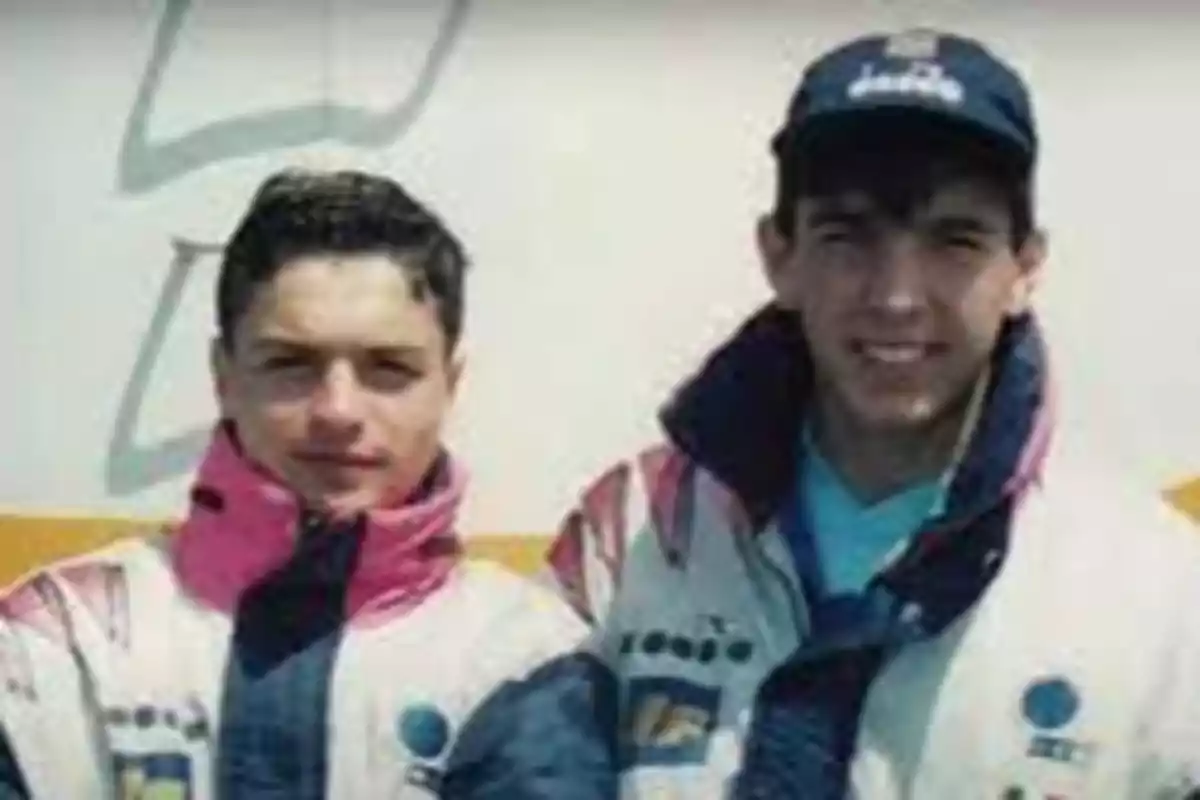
(857, 567)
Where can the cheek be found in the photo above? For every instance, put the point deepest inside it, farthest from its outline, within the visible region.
(1005, 289)
(985, 310)
(820, 329)
(270, 427)
(415, 416)
(824, 301)
(977, 326)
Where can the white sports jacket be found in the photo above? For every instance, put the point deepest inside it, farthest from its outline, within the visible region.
(1040, 640)
(257, 653)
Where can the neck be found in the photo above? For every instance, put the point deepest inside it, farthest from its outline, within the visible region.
(877, 461)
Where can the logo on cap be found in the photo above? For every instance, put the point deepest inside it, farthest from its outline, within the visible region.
(920, 79)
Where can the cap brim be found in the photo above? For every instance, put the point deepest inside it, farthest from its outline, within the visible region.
(821, 125)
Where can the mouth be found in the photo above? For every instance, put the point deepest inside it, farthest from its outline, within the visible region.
(895, 353)
(339, 461)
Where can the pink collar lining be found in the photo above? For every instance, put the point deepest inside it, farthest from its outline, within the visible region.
(241, 526)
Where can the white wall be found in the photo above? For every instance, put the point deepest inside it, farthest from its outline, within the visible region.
(604, 162)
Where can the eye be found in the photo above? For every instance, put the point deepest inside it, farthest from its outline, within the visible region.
(960, 235)
(394, 367)
(961, 241)
(282, 363)
(833, 233)
(842, 233)
(390, 374)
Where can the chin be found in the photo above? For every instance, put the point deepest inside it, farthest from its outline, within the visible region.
(896, 413)
(346, 504)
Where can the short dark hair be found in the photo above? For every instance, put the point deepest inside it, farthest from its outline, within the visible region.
(297, 213)
(899, 163)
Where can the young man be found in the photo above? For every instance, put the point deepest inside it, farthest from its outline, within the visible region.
(857, 567)
(311, 630)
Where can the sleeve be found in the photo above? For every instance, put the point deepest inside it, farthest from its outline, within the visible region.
(553, 733)
(550, 736)
(50, 735)
(13, 785)
(540, 733)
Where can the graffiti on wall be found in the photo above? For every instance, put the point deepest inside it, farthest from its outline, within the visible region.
(131, 465)
(144, 165)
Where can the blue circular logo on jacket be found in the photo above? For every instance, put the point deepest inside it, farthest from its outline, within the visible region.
(1050, 704)
(424, 730)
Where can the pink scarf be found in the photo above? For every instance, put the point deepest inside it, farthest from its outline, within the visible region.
(241, 527)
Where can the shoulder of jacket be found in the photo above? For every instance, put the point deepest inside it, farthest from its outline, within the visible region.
(501, 597)
(638, 520)
(1112, 508)
(654, 489)
(510, 623)
(47, 598)
(484, 579)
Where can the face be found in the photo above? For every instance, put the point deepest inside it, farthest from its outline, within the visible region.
(901, 316)
(338, 381)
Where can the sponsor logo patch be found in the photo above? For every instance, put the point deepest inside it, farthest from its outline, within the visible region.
(1050, 705)
(425, 732)
(153, 776)
(668, 721)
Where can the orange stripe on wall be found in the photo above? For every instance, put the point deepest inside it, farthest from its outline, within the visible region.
(1186, 497)
(29, 542)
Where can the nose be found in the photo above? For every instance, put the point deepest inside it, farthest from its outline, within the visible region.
(896, 285)
(337, 402)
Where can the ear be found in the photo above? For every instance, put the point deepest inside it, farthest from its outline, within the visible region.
(1030, 259)
(773, 250)
(219, 368)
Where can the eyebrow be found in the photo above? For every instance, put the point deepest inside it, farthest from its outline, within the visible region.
(953, 222)
(964, 223)
(837, 215)
(276, 343)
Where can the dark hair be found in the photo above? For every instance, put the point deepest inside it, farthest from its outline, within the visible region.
(899, 163)
(297, 213)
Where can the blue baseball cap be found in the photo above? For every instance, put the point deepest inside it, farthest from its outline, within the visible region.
(937, 76)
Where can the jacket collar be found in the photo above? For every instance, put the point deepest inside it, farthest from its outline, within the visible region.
(242, 527)
(740, 415)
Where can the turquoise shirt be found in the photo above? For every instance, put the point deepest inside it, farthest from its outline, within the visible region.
(852, 541)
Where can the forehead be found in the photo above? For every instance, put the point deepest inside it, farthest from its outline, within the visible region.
(342, 302)
(958, 197)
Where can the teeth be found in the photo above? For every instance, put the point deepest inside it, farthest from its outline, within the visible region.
(893, 353)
